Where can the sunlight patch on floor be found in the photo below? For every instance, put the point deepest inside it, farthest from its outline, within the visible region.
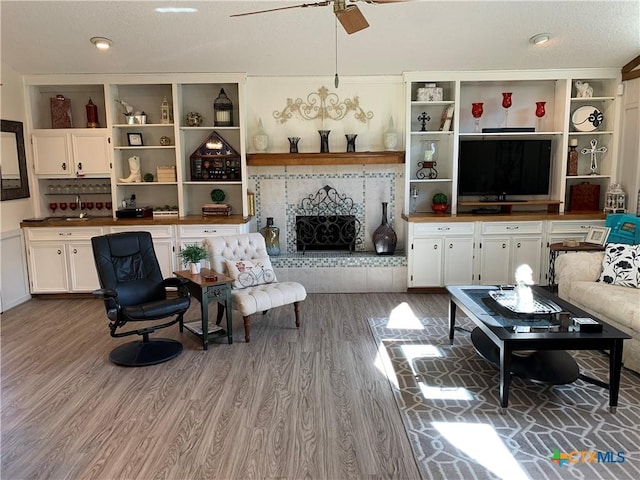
(444, 393)
(402, 317)
(383, 363)
(481, 442)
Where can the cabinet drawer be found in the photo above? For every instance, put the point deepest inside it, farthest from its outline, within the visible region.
(573, 226)
(430, 229)
(62, 233)
(501, 228)
(156, 231)
(201, 231)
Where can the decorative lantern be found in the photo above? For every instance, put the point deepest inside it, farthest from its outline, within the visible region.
(223, 110)
(615, 199)
(165, 112)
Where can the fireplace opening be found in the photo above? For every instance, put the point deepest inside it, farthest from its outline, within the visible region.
(327, 221)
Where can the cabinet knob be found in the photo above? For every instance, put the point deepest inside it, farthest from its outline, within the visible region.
(444, 228)
(518, 245)
(79, 166)
(513, 227)
(64, 165)
(75, 250)
(451, 245)
(210, 231)
(59, 252)
(435, 247)
(504, 245)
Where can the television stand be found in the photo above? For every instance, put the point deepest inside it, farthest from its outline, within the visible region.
(553, 206)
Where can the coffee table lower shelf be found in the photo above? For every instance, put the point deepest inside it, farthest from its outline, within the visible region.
(553, 367)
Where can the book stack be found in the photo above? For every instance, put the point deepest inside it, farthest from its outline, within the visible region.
(209, 209)
(166, 174)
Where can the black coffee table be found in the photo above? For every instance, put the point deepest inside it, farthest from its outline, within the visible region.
(534, 346)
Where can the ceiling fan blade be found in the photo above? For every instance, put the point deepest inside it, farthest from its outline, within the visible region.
(304, 5)
(351, 19)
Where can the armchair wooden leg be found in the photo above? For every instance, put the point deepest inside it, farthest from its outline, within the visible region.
(296, 307)
(247, 328)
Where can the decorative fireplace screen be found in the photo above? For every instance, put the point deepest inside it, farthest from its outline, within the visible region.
(327, 220)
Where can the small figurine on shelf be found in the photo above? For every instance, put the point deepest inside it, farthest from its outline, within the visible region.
(423, 118)
(165, 112)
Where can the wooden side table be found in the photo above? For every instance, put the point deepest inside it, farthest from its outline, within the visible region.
(205, 291)
(556, 248)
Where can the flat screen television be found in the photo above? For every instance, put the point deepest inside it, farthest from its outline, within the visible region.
(504, 167)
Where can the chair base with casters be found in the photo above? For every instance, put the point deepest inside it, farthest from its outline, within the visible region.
(258, 298)
(134, 293)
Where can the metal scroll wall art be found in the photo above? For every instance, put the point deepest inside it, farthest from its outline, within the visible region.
(323, 105)
(327, 220)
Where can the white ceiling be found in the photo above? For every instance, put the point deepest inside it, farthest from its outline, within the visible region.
(53, 37)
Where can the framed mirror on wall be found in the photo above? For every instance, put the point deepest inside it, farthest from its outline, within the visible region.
(14, 181)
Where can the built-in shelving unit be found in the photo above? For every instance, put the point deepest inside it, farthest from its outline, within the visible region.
(557, 89)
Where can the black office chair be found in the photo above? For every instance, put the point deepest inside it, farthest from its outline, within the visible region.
(134, 291)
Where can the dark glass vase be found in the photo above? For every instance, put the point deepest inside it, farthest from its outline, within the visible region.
(351, 142)
(324, 140)
(271, 236)
(385, 238)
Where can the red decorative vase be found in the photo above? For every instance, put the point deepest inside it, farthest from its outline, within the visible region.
(439, 207)
(540, 112)
(506, 99)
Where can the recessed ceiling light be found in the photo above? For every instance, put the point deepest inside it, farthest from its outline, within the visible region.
(101, 43)
(540, 38)
(176, 10)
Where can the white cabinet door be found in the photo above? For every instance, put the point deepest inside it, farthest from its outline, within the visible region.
(495, 261)
(51, 153)
(82, 268)
(70, 154)
(458, 261)
(165, 255)
(90, 152)
(48, 268)
(527, 250)
(426, 262)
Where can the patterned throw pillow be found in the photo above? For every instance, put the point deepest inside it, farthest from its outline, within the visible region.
(248, 273)
(621, 265)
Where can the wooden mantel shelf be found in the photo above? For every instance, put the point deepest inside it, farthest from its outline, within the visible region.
(342, 158)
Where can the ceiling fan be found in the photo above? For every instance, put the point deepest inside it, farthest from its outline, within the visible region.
(349, 16)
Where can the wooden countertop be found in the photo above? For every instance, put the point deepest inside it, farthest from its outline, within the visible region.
(114, 222)
(501, 217)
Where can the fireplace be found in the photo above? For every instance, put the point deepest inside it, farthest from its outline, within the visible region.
(327, 221)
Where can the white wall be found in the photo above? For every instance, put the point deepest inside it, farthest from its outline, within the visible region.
(382, 95)
(14, 288)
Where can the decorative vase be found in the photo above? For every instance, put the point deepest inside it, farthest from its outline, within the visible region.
(390, 137)
(385, 238)
(194, 268)
(261, 139)
(439, 207)
(351, 141)
(293, 144)
(271, 236)
(506, 104)
(572, 158)
(477, 111)
(324, 140)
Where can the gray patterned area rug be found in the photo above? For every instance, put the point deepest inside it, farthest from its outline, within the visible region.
(448, 399)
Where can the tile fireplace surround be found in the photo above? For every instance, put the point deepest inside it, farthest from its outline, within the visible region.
(278, 193)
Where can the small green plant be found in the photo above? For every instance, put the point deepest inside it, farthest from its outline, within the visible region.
(439, 198)
(193, 253)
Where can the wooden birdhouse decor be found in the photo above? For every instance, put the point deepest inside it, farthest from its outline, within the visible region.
(215, 159)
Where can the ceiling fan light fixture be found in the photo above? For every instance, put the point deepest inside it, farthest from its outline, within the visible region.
(101, 43)
(352, 19)
(540, 38)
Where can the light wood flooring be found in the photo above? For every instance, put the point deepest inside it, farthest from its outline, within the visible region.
(292, 404)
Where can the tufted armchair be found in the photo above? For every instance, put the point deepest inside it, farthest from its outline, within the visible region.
(238, 251)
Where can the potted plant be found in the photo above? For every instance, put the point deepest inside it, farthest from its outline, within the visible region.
(439, 203)
(191, 255)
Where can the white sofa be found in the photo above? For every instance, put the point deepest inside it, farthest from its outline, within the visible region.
(577, 275)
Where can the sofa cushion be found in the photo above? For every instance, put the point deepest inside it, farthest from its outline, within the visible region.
(248, 273)
(620, 304)
(621, 265)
